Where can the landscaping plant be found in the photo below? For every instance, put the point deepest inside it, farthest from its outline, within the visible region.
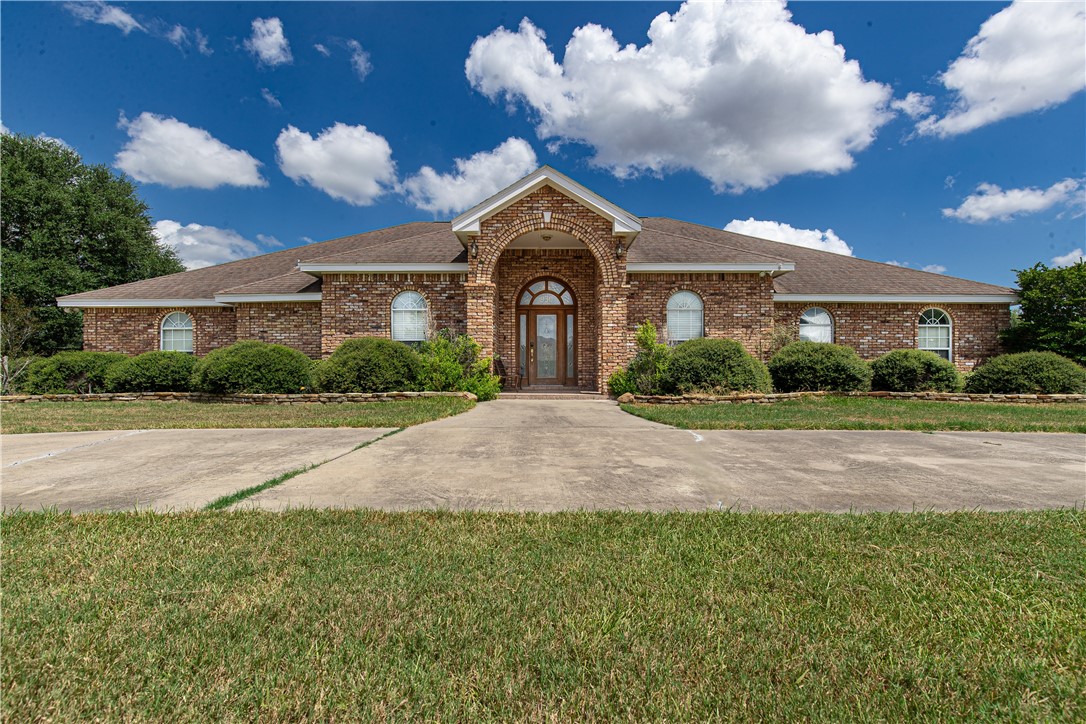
(815, 366)
(648, 370)
(914, 370)
(255, 367)
(1053, 313)
(716, 366)
(1043, 373)
(71, 372)
(152, 372)
(369, 364)
(451, 363)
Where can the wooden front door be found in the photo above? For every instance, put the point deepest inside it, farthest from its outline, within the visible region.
(546, 325)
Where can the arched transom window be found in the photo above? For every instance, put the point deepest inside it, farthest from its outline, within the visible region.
(685, 317)
(816, 325)
(546, 293)
(176, 333)
(936, 332)
(409, 318)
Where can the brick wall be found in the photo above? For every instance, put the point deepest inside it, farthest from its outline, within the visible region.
(136, 330)
(875, 329)
(360, 305)
(294, 324)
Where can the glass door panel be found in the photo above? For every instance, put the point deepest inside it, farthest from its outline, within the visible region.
(546, 346)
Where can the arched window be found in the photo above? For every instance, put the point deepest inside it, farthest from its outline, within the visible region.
(176, 333)
(685, 317)
(409, 320)
(936, 332)
(547, 292)
(816, 325)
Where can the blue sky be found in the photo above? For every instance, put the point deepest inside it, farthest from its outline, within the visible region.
(948, 136)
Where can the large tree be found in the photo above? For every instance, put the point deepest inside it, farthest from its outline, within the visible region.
(1053, 313)
(68, 227)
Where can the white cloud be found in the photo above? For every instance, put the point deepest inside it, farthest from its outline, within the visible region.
(934, 268)
(200, 246)
(350, 163)
(43, 136)
(102, 13)
(1027, 56)
(178, 35)
(1072, 257)
(268, 43)
(165, 151)
(475, 178)
(896, 263)
(991, 202)
(270, 98)
(268, 240)
(734, 91)
(308, 240)
(913, 105)
(202, 45)
(776, 231)
(322, 50)
(360, 59)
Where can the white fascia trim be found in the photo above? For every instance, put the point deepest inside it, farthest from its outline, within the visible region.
(89, 303)
(650, 267)
(250, 298)
(384, 268)
(901, 298)
(623, 222)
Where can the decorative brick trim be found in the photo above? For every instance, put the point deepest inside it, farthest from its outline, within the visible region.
(322, 398)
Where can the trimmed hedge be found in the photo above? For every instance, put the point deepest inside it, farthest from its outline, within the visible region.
(819, 366)
(255, 367)
(152, 372)
(914, 370)
(369, 364)
(1025, 373)
(715, 366)
(70, 372)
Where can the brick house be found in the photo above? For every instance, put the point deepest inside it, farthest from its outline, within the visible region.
(553, 279)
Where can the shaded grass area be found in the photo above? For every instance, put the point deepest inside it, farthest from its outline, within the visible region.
(81, 416)
(348, 615)
(868, 413)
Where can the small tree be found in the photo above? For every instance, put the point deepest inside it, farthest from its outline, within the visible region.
(1053, 313)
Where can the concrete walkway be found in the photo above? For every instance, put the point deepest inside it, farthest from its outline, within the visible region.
(159, 469)
(548, 455)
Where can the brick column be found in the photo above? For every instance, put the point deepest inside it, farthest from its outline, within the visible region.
(481, 298)
(615, 347)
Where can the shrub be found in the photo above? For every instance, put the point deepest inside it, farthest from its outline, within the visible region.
(451, 363)
(1053, 312)
(812, 366)
(71, 372)
(619, 382)
(914, 370)
(716, 366)
(152, 372)
(256, 367)
(369, 364)
(647, 373)
(1042, 373)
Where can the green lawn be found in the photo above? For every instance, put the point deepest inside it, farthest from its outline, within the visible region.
(80, 416)
(348, 615)
(868, 413)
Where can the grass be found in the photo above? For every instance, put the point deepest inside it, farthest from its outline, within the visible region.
(357, 615)
(866, 413)
(81, 416)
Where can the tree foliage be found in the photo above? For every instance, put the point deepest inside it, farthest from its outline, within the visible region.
(1053, 313)
(68, 227)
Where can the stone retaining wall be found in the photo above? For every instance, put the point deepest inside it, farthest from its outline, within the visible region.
(765, 399)
(239, 399)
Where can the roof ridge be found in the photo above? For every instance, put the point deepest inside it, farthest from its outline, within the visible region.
(316, 259)
(715, 243)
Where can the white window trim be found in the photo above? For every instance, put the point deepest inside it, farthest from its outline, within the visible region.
(400, 312)
(667, 312)
(190, 329)
(949, 349)
(832, 325)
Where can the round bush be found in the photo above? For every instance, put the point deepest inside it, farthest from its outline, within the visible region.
(813, 366)
(71, 372)
(256, 367)
(715, 366)
(914, 370)
(152, 372)
(619, 383)
(1038, 373)
(369, 364)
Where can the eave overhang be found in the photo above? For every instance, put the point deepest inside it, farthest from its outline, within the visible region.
(900, 298)
(95, 303)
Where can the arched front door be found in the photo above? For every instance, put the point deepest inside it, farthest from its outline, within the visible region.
(546, 334)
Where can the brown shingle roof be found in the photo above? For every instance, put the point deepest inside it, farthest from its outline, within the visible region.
(294, 282)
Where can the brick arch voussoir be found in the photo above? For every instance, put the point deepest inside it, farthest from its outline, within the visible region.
(599, 247)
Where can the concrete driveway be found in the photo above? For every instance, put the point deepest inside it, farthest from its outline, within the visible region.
(548, 455)
(159, 469)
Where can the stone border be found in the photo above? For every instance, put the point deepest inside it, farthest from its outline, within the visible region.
(766, 399)
(322, 398)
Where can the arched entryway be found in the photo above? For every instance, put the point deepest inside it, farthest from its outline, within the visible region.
(547, 333)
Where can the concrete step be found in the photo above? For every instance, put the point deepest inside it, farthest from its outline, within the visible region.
(582, 396)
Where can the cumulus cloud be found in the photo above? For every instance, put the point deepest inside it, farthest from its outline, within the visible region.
(1072, 257)
(1027, 56)
(360, 59)
(270, 98)
(913, 105)
(776, 231)
(102, 13)
(734, 91)
(165, 151)
(200, 246)
(476, 178)
(350, 163)
(990, 202)
(268, 44)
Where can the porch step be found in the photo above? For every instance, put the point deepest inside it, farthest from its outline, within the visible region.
(583, 396)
